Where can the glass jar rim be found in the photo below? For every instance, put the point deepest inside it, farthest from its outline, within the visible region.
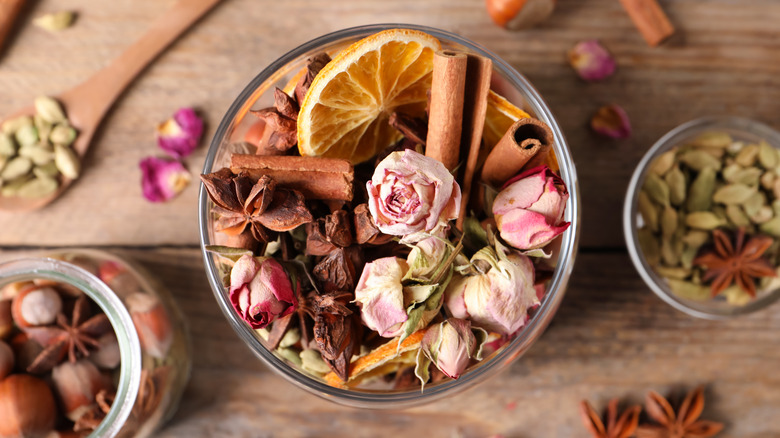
(518, 345)
(630, 209)
(29, 268)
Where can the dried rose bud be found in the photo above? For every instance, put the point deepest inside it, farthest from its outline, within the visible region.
(529, 209)
(163, 179)
(36, 306)
(450, 345)
(76, 384)
(591, 60)
(498, 297)
(611, 121)
(180, 135)
(410, 192)
(152, 323)
(380, 296)
(6, 360)
(107, 354)
(261, 290)
(425, 258)
(6, 321)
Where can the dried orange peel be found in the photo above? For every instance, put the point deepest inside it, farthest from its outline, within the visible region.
(378, 359)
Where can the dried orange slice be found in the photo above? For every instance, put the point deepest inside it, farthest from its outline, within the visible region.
(345, 112)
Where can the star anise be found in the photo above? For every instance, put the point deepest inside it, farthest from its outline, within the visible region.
(622, 426)
(739, 262)
(328, 233)
(413, 128)
(91, 419)
(151, 391)
(261, 205)
(282, 120)
(336, 330)
(684, 424)
(313, 66)
(72, 338)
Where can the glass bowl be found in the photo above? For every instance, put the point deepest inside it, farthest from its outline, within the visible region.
(740, 129)
(505, 81)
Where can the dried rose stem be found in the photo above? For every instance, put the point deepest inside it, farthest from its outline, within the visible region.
(316, 178)
(526, 142)
(9, 9)
(446, 114)
(650, 19)
(478, 73)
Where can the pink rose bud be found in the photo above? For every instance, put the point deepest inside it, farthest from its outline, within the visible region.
(180, 135)
(529, 209)
(498, 299)
(425, 258)
(162, 179)
(410, 193)
(591, 60)
(380, 296)
(261, 290)
(450, 346)
(611, 121)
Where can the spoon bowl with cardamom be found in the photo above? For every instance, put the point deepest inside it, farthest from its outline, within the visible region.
(42, 146)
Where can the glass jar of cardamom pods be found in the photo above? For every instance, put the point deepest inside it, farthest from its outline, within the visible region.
(98, 347)
(702, 217)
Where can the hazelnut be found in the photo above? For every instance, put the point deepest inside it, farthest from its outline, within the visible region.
(6, 360)
(152, 323)
(25, 350)
(519, 14)
(11, 290)
(27, 406)
(36, 306)
(76, 384)
(6, 321)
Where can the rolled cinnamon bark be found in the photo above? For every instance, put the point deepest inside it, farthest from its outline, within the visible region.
(650, 19)
(446, 107)
(478, 73)
(9, 10)
(526, 141)
(316, 178)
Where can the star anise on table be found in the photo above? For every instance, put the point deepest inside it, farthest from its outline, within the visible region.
(72, 337)
(261, 205)
(683, 424)
(622, 426)
(739, 262)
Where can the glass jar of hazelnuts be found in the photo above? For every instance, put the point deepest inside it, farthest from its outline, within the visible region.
(89, 346)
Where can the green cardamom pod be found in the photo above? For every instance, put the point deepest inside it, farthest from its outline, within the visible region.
(37, 188)
(656, 189)
(668, 222)
(699, 160)
(311, 361)
(669, 255)
(696, 238)
(675, 179)
(677, 273)
(767, 180)
(49, 109)
(67, 162)
(7, 145)
(730, 171)
(649, 245)
(701, 190)
(62, 134)
(689, 290)
(704, 220)
(15, 168)
(663, 163)
(749, 176)
(11, 188)
(648, 211)
(771, 227)
(47, 170)
(754, 203)
(687, 257)
(291, 355)
(763, 215)
(27, 135)
(747, 156)
(10, 126)
(767, 156)
(737, 216)
(713, 139)
(733, 194)
(39, 155)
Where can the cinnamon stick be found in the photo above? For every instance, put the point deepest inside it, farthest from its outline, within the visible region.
(446, 107)
(478, 73)
(650, 19)
(9, 10)
(316, 178)
(526, 141)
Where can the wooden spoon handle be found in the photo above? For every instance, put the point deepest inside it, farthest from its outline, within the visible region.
(92, 99)
(9, 9)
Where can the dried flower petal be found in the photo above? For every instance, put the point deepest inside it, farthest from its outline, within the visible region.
(591, 60)
(162, 179)
(180, 135)
(611, 121)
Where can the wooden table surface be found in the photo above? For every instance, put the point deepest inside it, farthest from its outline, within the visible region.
(611, 338)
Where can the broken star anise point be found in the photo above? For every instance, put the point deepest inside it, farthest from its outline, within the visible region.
(740, 262)
(617, 426)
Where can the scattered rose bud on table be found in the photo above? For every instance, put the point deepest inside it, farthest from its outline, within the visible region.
(611, 121)
(591, 60)
(163, 179)
(180, 135)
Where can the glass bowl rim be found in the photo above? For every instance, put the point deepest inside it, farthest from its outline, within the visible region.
(531, 331)
(630, 211)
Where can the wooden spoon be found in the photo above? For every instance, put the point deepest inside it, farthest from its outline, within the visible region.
(87, 103)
